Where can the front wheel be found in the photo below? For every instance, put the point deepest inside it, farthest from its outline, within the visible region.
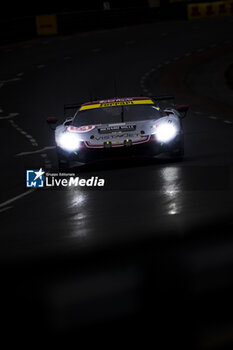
(63, 164)
(178, 155)
(177, 151)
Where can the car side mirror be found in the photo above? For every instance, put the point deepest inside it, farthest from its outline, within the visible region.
(183, 109)
(52, 120)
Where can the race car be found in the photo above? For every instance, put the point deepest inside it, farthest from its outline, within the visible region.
(119, 128)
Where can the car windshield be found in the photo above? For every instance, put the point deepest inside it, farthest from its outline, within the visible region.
(119, 114)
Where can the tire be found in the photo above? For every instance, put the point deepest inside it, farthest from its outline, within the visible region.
(178, 155)
(63, 165)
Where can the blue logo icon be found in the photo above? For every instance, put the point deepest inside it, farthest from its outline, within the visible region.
(35, 178)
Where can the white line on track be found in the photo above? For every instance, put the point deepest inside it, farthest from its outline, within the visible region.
(12, 200)
(6, 208)
(40, 66)
(227, 122)
(9, 80)
(20, 130)
(37, 151)
(20, 74)
(9, 116)
(212, 117)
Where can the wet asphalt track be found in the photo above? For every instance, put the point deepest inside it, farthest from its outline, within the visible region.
(140, 199)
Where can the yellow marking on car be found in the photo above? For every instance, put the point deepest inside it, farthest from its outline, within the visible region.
(115, 104)
(83, 108)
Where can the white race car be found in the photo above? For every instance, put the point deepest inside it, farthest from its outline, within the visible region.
(119, 128)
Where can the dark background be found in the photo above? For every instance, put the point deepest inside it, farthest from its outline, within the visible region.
(150, 258)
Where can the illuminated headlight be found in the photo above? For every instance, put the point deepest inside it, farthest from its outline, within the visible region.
(166, 132)
(69, 142)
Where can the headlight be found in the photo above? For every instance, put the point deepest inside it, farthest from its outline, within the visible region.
(166, 132)
(69, 142)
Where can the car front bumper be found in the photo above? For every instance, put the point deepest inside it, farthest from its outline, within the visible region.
(151, 149)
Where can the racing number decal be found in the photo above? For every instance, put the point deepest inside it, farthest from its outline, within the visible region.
(85, 128)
